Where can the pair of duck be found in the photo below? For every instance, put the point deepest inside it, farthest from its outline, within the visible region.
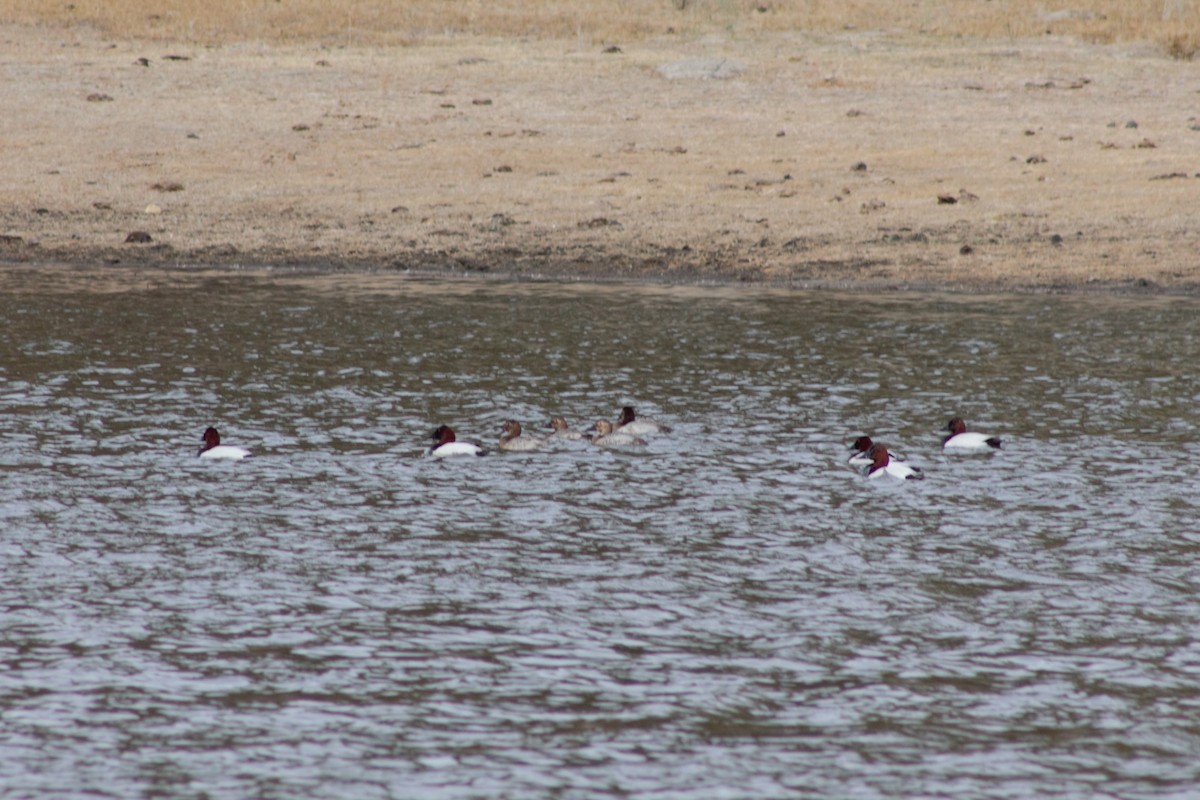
(626, 433)
(877, 462)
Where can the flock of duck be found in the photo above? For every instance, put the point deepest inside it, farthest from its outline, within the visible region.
(626, 432)
(877, 462)
(874, 458)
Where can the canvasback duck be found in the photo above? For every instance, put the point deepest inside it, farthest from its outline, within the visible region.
(860, 447)
(214, 449)
(563, 431)
(629, 423)
(862, 455)
(514, 441)
(445, 444)
(962, 439)
(607, 437)
(883, 464)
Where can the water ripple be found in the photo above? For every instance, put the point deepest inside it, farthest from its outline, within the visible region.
(731, 612)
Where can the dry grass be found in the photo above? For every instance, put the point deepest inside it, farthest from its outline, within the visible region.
(1172, 24)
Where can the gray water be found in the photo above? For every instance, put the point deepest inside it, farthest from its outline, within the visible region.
(732, 613)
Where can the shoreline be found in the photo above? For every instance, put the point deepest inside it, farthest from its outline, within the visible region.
(146, 271)
(861, 161)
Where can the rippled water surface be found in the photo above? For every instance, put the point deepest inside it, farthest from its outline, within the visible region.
(732, 613)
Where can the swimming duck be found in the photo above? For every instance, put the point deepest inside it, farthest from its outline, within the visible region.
(861, 456)
(882, 463)
(630, 424)
(962, 439)
(445, 444)
(513, 441)
(563, 431)
(607, 437)
(214, 449)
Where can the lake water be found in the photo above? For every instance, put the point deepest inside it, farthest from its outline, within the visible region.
(732, 613)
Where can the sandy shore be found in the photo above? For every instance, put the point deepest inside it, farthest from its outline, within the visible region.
(856, 160)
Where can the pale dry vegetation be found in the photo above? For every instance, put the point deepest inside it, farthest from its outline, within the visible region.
(952, 143)
(1172, 24)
